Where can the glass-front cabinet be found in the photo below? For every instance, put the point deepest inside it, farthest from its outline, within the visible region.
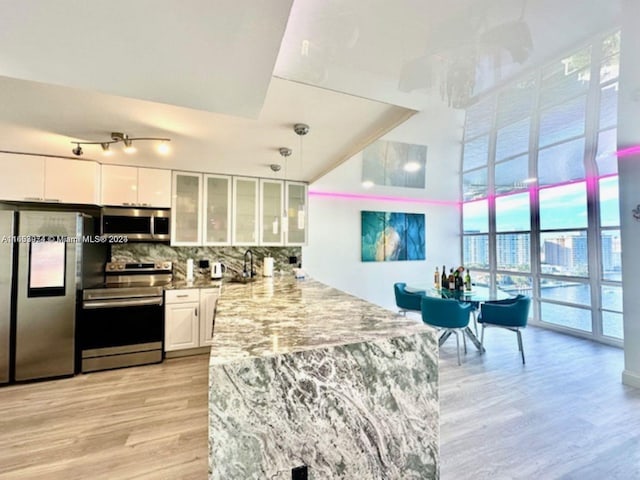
(272, 213)
(245, 211)
(217, 210)
(186, 203)
(296, 206)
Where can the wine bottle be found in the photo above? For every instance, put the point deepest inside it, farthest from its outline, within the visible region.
(436, 279)
(452, 280)
(444, 283)
(458, 279)
(467, 281)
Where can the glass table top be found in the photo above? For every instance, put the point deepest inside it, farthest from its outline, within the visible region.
(476, 294)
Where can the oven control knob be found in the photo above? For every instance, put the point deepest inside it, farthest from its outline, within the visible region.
(121, 266)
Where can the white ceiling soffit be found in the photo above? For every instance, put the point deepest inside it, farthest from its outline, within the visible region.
(213, 55)
(45, 119)
(402, 52)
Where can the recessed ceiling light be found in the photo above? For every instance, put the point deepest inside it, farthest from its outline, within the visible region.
(367, 184)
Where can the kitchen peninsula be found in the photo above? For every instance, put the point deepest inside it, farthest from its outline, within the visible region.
(302, 374)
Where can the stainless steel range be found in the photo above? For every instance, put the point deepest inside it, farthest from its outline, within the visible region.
(122, 324)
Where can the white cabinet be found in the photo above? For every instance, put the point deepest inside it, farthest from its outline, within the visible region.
(296, 206)
(133, 186)
(208, 303)
(182, 324)
(46, 179)
(21, 177)
(189, 318)
(119, 185)
(186, 209)
(273, 220)
(217, 210)
(71, 181)
(245, 211)
(220, 210)
(154, 187)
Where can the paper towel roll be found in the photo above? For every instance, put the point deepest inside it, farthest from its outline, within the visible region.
(267, 267)
(190, 270)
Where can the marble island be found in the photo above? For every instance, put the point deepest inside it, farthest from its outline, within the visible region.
(304, 374)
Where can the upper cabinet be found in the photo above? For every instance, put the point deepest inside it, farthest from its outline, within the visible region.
(296, 206)
(223, 210)
(245, 211)
(217, 210)
(272, 213)
(47, 179)
(133, 186)
(21, 177)
(83, 176)
(154, 187)
(186, 209)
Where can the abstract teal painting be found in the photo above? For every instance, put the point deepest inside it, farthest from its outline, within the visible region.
(392, 236)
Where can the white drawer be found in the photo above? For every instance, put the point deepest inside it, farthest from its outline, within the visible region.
(182, 296)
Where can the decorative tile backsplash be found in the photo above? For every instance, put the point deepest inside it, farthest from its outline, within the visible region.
(231, 257)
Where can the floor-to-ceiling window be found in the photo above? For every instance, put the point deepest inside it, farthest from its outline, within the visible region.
(540, 191)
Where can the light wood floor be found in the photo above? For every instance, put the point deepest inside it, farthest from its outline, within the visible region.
(563, 415)
(145, 422)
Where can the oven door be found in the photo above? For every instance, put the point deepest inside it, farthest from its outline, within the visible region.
(117, 333)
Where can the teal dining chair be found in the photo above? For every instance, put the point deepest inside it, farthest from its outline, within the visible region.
(511, 314)
(407, 301)
(448, 315)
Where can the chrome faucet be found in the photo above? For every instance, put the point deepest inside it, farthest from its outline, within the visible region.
(244, 266)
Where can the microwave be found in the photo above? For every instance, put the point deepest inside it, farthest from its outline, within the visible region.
(136, 224)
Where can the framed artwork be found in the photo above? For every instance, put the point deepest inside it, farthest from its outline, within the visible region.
(395, 164)
(392, 236)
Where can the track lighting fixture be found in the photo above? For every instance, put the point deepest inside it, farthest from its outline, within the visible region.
(78, 150)
(116, 137)
(105, 149)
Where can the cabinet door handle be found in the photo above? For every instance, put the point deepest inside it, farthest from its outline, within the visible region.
(52, 200)
(182, 296)
(32, 199)
(196, 312)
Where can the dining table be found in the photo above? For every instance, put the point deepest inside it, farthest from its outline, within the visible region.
(477, 295)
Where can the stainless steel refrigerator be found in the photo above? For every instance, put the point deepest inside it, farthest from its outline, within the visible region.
(45, 258)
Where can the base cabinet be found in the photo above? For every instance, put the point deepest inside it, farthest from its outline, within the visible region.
(182, 325)
(208, 303)
(189, 318)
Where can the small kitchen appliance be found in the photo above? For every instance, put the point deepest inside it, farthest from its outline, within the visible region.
(217, 269)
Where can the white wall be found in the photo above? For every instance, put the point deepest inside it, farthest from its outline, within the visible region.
(629, 178)
(333, 254)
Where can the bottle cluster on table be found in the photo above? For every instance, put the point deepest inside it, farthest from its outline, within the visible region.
(454, 281)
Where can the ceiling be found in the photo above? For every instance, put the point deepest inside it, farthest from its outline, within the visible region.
(227, 80)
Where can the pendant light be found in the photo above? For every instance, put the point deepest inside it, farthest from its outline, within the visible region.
(275, 225)
(285, 153)
(301, 130)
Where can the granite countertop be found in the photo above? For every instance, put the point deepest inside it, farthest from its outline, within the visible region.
(199, 283)
(281, 315)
